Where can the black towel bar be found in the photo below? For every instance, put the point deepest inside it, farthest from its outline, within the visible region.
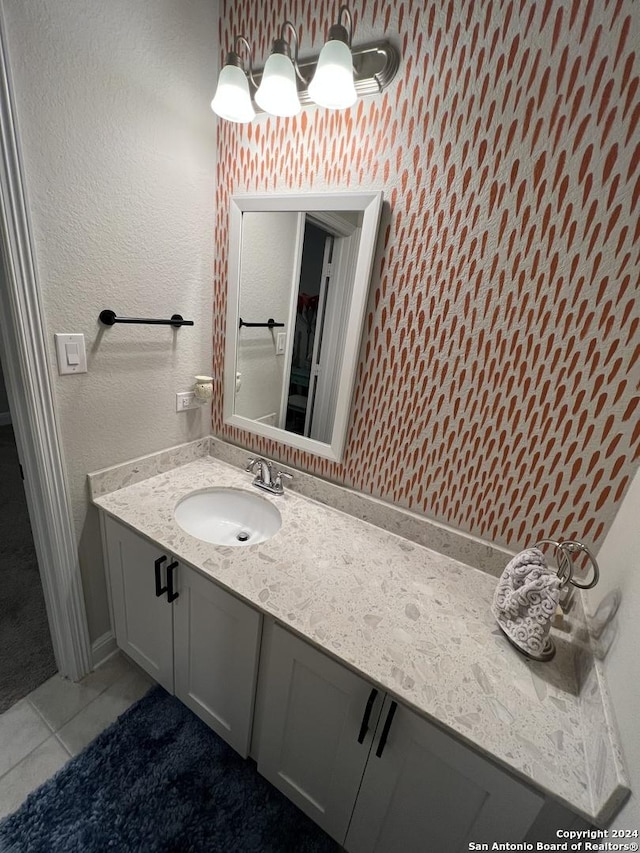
(108, 317)
(270, 324)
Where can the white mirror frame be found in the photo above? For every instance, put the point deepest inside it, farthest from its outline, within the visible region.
(370, 203)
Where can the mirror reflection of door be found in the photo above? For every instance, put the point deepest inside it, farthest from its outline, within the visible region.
(318, 317)
(297, 267)
(306, 353)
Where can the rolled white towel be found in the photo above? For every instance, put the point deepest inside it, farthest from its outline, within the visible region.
(525, 601)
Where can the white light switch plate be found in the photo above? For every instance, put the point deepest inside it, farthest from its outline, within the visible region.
(71, 354)
(281, 343)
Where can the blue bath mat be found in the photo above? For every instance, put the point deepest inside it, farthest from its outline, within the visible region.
(159, 779)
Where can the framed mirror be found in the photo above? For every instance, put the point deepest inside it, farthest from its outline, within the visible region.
(299, 272)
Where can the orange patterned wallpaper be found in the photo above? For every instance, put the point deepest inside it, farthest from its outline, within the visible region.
(498, 382)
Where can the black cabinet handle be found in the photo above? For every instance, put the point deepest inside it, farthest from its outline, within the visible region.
(157, 566)
(171, 595)
(385, 731)
(364, 726)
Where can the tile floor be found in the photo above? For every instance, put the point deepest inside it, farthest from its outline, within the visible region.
(57, 720)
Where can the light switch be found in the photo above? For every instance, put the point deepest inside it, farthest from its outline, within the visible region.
(73, 357)
(71, 353)
(281, 342)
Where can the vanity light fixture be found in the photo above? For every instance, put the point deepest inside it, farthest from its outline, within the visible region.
(338, 76)
(232, 100)
(332, 85)
(277, 93)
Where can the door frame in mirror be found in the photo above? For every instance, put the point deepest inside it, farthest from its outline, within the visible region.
(370, 205)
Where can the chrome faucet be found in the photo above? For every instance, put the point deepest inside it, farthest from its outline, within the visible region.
(265, 478)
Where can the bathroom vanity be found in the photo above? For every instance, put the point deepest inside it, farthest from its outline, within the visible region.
(362, 671)
(194, 638)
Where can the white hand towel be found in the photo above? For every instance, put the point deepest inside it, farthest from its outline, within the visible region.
(525, 601)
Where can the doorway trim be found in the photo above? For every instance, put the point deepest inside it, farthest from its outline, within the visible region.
(26, 370)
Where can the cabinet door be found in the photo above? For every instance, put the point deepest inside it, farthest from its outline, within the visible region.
(216, 645)
(426, 791)
(312, 714)
(142, 621)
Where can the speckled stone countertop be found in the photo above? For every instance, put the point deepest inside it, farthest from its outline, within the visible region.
(412, 621)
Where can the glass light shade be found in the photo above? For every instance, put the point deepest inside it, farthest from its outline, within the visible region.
(277, 93)
(232, 100)
(332, 85)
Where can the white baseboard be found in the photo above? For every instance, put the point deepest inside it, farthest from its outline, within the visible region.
(103, 648)
(5, 418)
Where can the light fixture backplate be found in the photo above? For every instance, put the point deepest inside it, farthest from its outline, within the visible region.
(375, 65)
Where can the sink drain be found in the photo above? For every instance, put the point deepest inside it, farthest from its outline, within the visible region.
(243, 536)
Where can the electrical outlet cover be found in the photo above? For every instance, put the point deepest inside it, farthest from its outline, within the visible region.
(186, 400)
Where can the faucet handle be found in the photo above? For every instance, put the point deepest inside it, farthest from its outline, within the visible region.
(277, 482)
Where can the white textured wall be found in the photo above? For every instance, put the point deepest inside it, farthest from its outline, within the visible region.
(619, 561)
(118, 143)
(266, 278)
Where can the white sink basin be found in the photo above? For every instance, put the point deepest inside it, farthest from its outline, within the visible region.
(228, 517)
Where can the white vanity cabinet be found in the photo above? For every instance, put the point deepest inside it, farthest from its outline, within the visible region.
(375, 775)
(216, 650)
(194, 638)
(422, 784)
(316, 725)
(143, 623)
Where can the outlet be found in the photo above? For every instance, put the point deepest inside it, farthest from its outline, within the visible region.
(186, 400)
